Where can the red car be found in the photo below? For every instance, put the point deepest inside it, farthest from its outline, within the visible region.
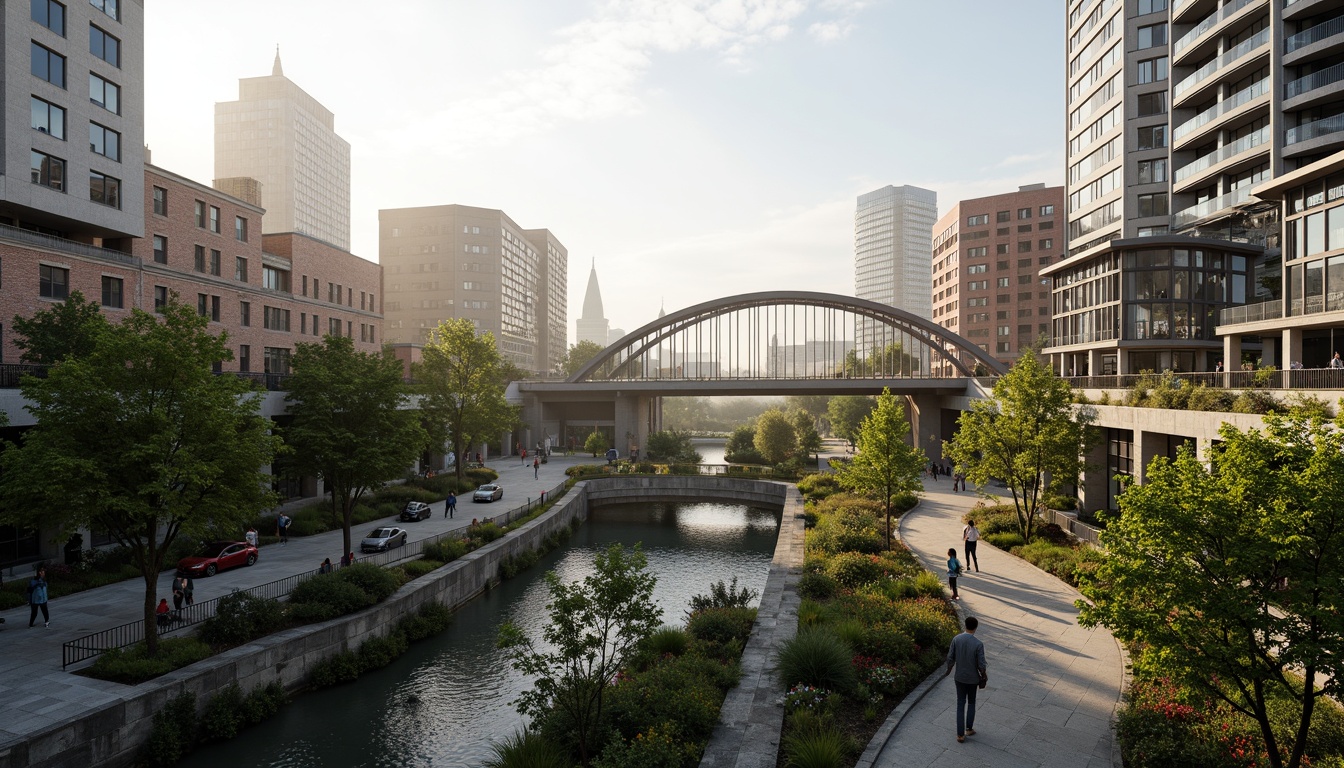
(217, 556)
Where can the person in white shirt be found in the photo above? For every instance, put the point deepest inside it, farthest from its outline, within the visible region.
(971, 535)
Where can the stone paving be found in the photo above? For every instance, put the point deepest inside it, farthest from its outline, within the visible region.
(1053, 685)
(35, 693)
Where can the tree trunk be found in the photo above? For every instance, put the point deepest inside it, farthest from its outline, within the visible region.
(151, 621)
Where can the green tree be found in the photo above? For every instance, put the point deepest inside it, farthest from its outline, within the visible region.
(1028, 431)
(671, 446)
(805, 433)
(596, 443)
(741, 446)
(138, 437)
(595, 627)
(885, 464)
(578, 356)
(68, 329)
(815, 406)
(461, 380)
(353, 425)
(847, 413)
(1230, 574)
(774, 436)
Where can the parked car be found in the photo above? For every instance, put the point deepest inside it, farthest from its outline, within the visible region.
(383, 539)
(217, 556)
(488, 492)
(415, 510)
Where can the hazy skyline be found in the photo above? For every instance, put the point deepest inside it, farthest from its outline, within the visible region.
(695, 149)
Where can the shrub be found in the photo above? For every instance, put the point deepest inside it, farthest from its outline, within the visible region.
(817, 586)
(241, 617)
(580, 470)
(132, 666)
(512, 566)
(377, 582)
(851, 569)
(445, 550)
(1060, 501)
(1204, 398)
(487, 532)
(341, 668)
(810, 613)
(724, 596)
(658, 747)
(929, 585)
(928, 620)
(718, 626)
(819, 485)
(326, 597)
(668, 640)
(847, 531)
(671, 693)
(1255, 401)
(1307, 404)
(817, 746)
(904, 501)
(1006, 541)
(1000, 518)
(173, 732)
(525, 749)
(478, 476)
(816, 657)
(223, 714)
(417, 568)
(378, 652)
(431, 619)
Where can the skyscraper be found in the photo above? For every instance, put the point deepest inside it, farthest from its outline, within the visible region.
(593, 325)
(893, 255)
(456, 261)
(282, 137)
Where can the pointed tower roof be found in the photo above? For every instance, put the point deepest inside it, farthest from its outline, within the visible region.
(276, 70)
(592, 299)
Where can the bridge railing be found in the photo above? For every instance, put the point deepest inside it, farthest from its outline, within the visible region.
(126, 635)
(1301, 378)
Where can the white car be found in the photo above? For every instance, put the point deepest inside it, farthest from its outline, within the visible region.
(488, 492)
(382, 539)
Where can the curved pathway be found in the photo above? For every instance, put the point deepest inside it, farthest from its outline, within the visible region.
(1053, 685)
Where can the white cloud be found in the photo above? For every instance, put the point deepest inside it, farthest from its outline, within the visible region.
(830, 31)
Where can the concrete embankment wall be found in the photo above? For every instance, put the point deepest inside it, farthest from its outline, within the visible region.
(114, 734)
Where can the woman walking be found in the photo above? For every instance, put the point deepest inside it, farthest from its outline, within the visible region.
(953, 571)
(37, 598)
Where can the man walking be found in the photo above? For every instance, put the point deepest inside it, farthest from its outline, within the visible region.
(536, 467)
(971, 535)
(37, 598)
(282, 527)
(967, 656)
(451, 506)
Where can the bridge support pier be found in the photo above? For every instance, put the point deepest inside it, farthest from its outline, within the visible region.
(926, 424)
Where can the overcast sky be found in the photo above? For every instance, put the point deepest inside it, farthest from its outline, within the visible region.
(694, 148)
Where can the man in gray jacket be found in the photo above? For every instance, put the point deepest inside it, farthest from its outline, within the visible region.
(967, 656)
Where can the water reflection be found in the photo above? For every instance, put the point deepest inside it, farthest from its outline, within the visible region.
(442, 703)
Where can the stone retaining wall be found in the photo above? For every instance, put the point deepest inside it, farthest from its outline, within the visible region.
(114, 734)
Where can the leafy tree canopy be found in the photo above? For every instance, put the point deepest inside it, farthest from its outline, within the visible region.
(578, 356)
(137, 436)
(68, 329)
(1229, 575)
(1026, 432)
(741, 446)
(671, 446)
(352, 422)
(774, 436)
(805, 434)
(595, 443)
(847, 413)
(461, 379)
(885, 464)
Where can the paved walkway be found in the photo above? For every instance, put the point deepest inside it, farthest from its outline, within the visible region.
(1053, 686)
(36, 693)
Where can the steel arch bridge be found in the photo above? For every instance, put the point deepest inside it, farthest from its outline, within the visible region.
(788, 335)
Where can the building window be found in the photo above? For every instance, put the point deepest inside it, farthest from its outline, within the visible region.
(1151, 6)
(202, 304)
(48, 65)
(334, 326)
(105, 141)
(1152, 36)
(240, 269)
(48, 118)
(112, 292)
(53, 282)
(1151, 171)
(976, 269)
(104, 46)
(276, 319)
(1024, 213)
(1152, 104)
(1003, 347)
(199, 263)
(1024, 246)
(1153, 205)
(1005, 330)
(1003, 216)
(214, 262)
(1023, 228)
(107, 6)
(1046, 244)
(104, 189)
(214, 219)
(976, 221)
(1003, 282)
(975, 253)
(244, 358)
(200, 214)
(1153, 70)
(245, 314)
(276, 359)
(1000, 249)
(50, 14)
(160, 297)
(315, 323)
(240, 228)
(160, 249)
(1153, 137)
(105, 94)
(275, 279)
(161, 201)
(47, 170)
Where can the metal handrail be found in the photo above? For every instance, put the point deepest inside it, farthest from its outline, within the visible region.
(129, 634)
(1314, 129)
(1302, 378)
(1253, 91)
(61, 244)
(1236, 52)
(1313, 35)
(1208, 23)
(1247, 142)
(1317, 79)
(1250, 313)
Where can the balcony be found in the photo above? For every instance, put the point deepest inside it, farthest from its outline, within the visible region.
(1245, 143)
(1223, 107)
(1313, 35)
(1251, 313)
(1313, 81)
(1314, 129)
(1189, 38)
(1194, 213)
(1260, 39)
(28, 237)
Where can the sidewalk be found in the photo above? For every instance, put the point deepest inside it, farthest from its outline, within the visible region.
(1053, 685)
(36, 693)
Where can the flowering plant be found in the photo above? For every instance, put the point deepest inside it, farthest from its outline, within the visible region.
(805, 697)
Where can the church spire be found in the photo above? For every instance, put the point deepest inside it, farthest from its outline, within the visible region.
(276, 71)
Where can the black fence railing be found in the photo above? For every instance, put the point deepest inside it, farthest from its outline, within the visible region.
(125, 635)
(1301, 378)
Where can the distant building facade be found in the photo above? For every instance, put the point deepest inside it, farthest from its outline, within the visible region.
(593, 325)
(892, 253)
(987, 256)
(457, 261)
(283, 138)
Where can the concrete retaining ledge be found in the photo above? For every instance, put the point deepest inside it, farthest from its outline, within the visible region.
(751, 719)
(113, 734)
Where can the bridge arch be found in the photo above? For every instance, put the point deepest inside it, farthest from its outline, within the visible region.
(788, 335)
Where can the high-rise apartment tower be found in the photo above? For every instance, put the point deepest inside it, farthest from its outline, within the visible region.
(892, 253)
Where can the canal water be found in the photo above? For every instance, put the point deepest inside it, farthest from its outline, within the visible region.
(443, 702)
